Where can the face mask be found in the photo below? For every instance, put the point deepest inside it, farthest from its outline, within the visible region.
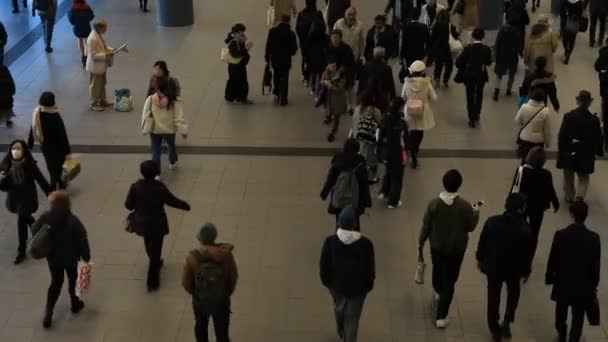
(17, 154)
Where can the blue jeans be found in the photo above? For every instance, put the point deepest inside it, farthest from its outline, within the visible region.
(157, 140)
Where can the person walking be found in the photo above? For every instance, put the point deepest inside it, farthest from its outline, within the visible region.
(440, 53)
(381, 35)
(473, 63)
(402, 12)
(237, 87)
(317, 46)
(534, 121)
(47, 11)
(542, 42)
(428, 12)
(598, 12)
(147, 199)
(19, 174)
(167, 116)
(15, 4)
(162, 73)
(99, 58)
(3, 42)
(334, 11)
(573, 269)
(508, 47)
(376, 70)
(281, 46)
(536, 184)
(80, 16)
(210, 277)
(573, 11)
(283, 8)
(334, 82)
(601, 67)
(414, 40)
(418, 92)
(365, 128)
(447, 222)
(308, 20)
(68, 245)
(518, 16)
(352, 35)
(579, 142)
(348, 271)
(503, 254)
(341, 191)
(7, 91)
(540, 78)
(49, 131)
(394, 133)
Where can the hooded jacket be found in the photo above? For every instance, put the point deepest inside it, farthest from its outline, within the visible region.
(543, 41)
(220, 253)
(422, 89)
(347, 264)
(447, 223)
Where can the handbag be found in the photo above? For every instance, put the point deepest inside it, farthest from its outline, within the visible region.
(5, 181)
(593, 311)
(267, 80)
(572, 25)
(147, 125)
(130, 223)
(270, 16)
(123, 101)
(414, 106)
(40, 245)
(227, 58)
(455, 44)
(71, 168)
(84, 278)
(420, 268)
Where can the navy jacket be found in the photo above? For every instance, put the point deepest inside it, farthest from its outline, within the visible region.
(80, 16)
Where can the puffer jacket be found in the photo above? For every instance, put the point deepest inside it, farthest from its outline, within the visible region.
(421, 88)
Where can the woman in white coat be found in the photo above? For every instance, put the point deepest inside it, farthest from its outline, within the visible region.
(99, 57)
(534, 120)
(417, 93)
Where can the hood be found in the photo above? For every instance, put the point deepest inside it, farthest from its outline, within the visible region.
(83, 6)
(417, 84)
(50, 110)
(348, 237)
(217, 252)
(448, 197)
(538, 29)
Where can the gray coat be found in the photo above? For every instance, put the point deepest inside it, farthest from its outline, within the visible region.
(335, 103)
(491, 14)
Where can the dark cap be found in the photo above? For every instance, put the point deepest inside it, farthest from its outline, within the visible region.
(584, 97)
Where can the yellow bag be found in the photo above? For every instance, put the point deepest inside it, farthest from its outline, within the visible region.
(71, 168)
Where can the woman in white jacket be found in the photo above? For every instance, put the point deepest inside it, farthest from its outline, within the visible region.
(162, 118)
(534, 120)
(418, 91)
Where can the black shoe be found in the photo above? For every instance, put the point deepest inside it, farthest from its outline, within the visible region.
(77, 306)
(48, 49)
(496, 93)
(414, 164)
(496, 337)
(146, 10)
(19, 259)
(561, 338)
(509, 92)
(327, 121)
(506, 330)
(566, 60)
(47, 321)
(83, 59)
(331, 137)
(153, 287)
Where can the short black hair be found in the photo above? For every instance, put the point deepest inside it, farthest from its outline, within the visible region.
(238, 28)
(515, 202)
(452, 180)
(149, 169)
(538, 94)
(579, 211)
(478, 34)
(47, 99)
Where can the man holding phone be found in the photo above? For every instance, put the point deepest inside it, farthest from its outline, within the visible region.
(447, 223)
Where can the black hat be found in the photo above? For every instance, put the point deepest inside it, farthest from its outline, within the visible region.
(584, 96)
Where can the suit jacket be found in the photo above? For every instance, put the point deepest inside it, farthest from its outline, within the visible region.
(579, 141)
(281, 45)
(474, 60)
(573, 267)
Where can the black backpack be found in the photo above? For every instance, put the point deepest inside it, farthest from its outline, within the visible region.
(210, 289)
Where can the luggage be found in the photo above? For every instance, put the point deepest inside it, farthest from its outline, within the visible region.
(71, 168)
(123, 101)
(40, 245)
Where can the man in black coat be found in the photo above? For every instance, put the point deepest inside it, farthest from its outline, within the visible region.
(402, 10)
(3, 41)
(415, 40)
(307, 18)
(503, 254)
(578, 143)
(281, 46)
(508, 47)
(573, 269)
(598, 11)
(340, 51)
(377, 68)
(601, 66)
(348, 271)
(381, 35)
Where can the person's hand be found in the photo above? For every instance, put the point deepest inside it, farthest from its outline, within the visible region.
(249, 44)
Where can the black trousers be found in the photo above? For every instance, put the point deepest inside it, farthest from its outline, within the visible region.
(569, 41)
(445, 65)
(552, 94)
(23, 222)
(578, 318)
(54, 165)
(594, 19)
(57, 275)
(1, 55)
(415, 141)
(280, 80)
(392, 183)
(474, 92)
(535, 220)
(154, 249)
(605, 120)
(446, 270)
(494, 291)
(221, 322)
(237, 87)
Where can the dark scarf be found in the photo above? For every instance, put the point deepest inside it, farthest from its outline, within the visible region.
(17, 171)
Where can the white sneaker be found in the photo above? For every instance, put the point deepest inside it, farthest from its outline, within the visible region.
(173, 166)
(399, 205)
(436, 296)
(442, 323)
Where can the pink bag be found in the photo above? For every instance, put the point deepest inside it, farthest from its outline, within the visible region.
(84, 278)
(414, 107)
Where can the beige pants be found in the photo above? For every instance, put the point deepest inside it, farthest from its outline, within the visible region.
(97, 89)
(581, 189)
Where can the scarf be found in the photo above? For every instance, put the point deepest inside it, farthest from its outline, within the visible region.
(17, 171)
(36, 125)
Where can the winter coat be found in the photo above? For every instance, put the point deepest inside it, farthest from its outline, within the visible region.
(439, 42)
(335, 103)
(334, 11)
(23, 199)
(167, 119)
(7, 88)
(599, 7)
(505, 247)
(148, 198)
(387, 38)
(382, 73)
(579, 141)
(507, 48)
(538, 131)
(542, 41)
(49, 131)
(348, 265)
(69, 242)
(474, 60)
(343, 55)
(281, 46)
(317, 47)
(305, 22)
(537, 186)
(491, 14)
(238, 50)
(353, 36)
(447, 222)
(281, 8)
(601, 66)
(340, 163)
(573, 267)
(80, 16)
(220, 253)
(420, 88)
(97, 54)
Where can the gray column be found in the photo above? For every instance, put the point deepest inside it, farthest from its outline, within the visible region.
(174, 13)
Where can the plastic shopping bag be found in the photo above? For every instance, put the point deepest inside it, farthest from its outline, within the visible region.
(123, 101)
(84, 278)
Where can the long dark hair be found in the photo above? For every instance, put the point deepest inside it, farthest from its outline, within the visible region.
(162, 65)
(162, 86)
(27, 154)
(350, 151)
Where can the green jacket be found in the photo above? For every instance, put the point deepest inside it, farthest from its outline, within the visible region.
(448, 226)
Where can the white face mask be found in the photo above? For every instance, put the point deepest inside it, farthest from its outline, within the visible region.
(17, 154)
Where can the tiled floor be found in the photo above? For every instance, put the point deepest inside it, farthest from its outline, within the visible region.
(267, 206)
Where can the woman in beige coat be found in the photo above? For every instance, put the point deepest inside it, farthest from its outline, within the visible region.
(281, 8)
(542, 41)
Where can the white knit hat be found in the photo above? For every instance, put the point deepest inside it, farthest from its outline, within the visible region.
(417, 66)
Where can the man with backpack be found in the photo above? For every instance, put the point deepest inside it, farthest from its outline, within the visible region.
(348, 271)
(210, 276)
(47, 9)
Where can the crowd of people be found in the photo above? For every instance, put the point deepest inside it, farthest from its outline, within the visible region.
(350, 73)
